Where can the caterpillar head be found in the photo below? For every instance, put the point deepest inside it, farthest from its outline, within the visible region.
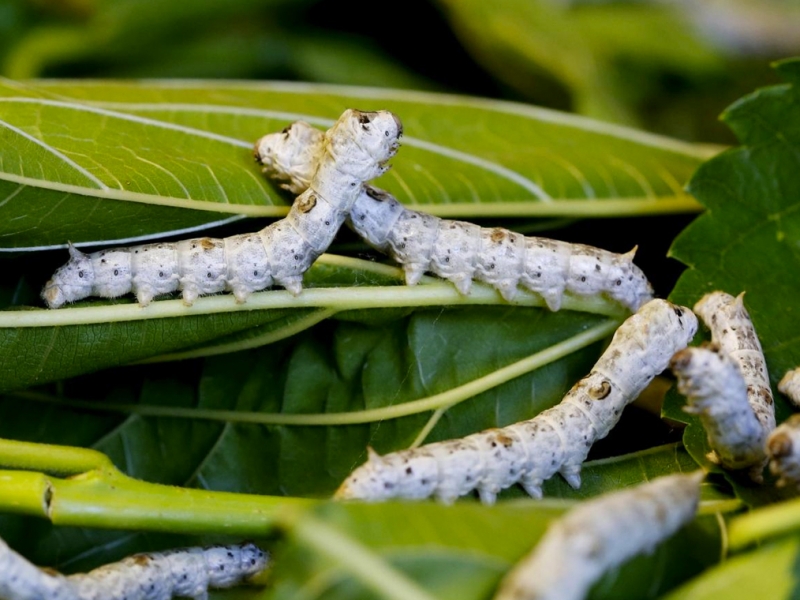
(672, 325)
(364, 141)
(232, 564)
(291, 155)
(374, 215)
(375, 480)
(71, 282)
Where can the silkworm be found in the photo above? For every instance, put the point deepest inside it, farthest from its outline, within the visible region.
(732, 330)
(187, 572)
(459, 251)
(353, 151)
(717, 393)
(601, 534)
(556, 440)
(783, 450)
(789, 386)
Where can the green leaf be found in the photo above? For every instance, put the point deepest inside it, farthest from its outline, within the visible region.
(768, 572)
(581, 46)
(342, 385)
(82, 160)
(462, 551)
(438, 532)
(39, 345)
(747, 241)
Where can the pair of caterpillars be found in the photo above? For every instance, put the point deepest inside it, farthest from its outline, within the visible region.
(456, 250)
(328, 171)
(184, 573)
(727, 385)
(352, 152)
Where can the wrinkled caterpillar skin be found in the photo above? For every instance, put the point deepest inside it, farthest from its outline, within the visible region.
(789, 386)
(717, 393)
(459, 251)
(555, 441)
(783, 450)
(353, 151)
(185, 573)
(733, 331)
(601, 534)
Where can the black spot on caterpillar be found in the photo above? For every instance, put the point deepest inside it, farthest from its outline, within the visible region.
(459, 251)
(601, 534)
(187, 572)
(280, 253)
(555, 441)
(717, 392)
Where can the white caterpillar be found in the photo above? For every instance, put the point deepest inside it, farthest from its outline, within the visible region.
(353, 151)
(717, 393)
(733, 331)
(459, 251)
(789, 385)
(601, 534)
(557, 440)
(783, 450)
(188, 572)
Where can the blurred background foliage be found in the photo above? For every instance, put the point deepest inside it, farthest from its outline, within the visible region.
(669, 66)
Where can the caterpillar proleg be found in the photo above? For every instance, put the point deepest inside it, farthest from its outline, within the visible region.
(732, 330)
(789, 385)
(186, 573)
(555, 441)
(600, 534)
(353, 151)
(783, 450)
(456, 250)
(717, 393)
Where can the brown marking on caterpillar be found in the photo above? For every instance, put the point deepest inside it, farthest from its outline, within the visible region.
(601, 391)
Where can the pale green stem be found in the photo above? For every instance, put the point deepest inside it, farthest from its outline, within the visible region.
(347, 298)
(576, 209)
(257, 341)
(368, 266)
(437, 401)
(367, 567)
(762, 523)
(434, 419)
(61, 460)
(723, 534)
(98, 495)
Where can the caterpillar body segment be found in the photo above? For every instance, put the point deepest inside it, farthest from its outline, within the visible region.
(789, 386)
(185, 573)
(717, 393)
(458, 251)
(732, 330)
(354, 150)
(783, 450)
(599, 535)
(555, 441)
